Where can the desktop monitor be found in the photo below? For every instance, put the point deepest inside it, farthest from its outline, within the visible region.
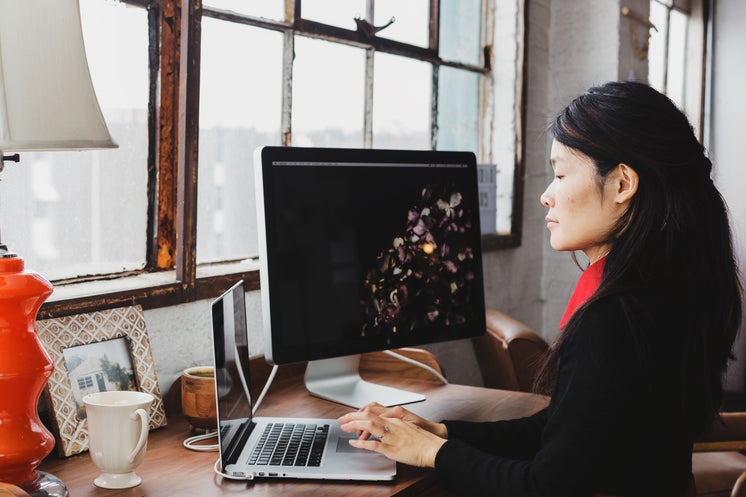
(365, 250)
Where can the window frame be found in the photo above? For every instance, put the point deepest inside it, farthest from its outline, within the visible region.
(697, 49)
(173, 121)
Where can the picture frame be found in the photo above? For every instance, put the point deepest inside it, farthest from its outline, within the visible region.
(97, 351)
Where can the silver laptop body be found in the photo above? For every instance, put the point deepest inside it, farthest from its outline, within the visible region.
(253, 447)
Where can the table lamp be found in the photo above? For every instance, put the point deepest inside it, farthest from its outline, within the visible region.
(47, 102)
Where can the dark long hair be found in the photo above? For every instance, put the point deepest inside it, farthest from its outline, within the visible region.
(674, 236)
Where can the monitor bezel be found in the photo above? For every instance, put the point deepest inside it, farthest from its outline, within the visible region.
(278, 353)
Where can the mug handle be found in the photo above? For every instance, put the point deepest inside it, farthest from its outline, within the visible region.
(143, 432)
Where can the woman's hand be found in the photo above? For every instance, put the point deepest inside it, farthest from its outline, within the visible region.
(399, 412)
(402, 436)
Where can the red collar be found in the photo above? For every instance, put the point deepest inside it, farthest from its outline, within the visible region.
(588, 283)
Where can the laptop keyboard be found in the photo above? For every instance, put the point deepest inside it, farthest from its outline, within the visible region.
(285, 444)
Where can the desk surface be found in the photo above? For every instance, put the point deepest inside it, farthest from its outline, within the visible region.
(170, 469)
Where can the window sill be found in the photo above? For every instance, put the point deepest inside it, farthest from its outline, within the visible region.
(500, 241)
(149, 289)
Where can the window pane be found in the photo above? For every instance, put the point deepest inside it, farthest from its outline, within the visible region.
(340, 13)
(657, 48)
(401, 111)
(240, 109)
(328, 94)
(269, 9)
(72, 214)
(460, 31)
(676, 57)
(412, 20)
(458, 110)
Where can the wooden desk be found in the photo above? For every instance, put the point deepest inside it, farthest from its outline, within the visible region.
(169, 469)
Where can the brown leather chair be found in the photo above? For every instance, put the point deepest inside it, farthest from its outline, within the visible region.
(718, 465)
(509, 353)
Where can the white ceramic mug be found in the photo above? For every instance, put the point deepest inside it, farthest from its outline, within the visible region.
(118, 425)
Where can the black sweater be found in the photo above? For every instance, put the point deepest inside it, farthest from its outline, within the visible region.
(615, 425)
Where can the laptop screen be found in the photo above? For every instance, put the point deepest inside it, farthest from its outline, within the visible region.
(231, 355)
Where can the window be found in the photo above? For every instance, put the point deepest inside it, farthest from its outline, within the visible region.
(190, 93)
(336, 74)
(675, 54)
(85, 382)
(71, 214)
(240, 109)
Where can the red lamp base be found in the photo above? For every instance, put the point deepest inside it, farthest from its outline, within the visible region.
(25, 367)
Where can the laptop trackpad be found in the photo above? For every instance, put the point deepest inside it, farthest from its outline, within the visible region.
(343, 445)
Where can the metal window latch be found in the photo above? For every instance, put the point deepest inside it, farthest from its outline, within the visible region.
(11, 158)
(368, 30)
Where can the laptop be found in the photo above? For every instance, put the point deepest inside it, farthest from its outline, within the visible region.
(252, 447)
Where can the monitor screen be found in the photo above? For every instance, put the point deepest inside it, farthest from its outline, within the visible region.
(364, 250)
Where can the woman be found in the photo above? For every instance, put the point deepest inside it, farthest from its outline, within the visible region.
(636, 372)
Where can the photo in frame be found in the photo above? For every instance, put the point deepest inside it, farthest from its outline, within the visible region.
(92, 352)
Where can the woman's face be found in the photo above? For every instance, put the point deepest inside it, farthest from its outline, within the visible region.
(581, 212)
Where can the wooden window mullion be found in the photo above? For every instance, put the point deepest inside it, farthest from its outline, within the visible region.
(168, 138)
(188, 147)
(154, 50)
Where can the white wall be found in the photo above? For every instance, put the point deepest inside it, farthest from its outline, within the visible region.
(180, 336)
(728, 121)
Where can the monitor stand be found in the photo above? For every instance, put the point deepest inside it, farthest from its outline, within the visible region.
(338, 379)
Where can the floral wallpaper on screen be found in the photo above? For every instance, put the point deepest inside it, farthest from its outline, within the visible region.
(422, 279)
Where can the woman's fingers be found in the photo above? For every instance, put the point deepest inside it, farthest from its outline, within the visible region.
(397, 412)
(374, 408)
(372, 422)
(373, 445)
(344, 422)
(388, 412)
(363, 423)
(397, 439)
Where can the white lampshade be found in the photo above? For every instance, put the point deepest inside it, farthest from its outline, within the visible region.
(47, 101)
